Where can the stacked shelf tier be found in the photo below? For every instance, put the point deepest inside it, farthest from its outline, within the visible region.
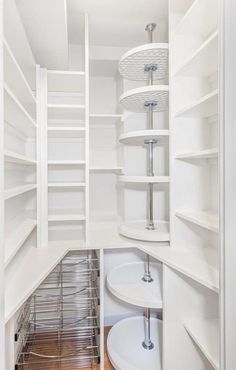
(137, 230)
(139, 137)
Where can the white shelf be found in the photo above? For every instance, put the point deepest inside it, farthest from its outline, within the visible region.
(125, 282)
(66, 111)
(207, 220)
(186, 263)
(205, 333)
(18, 190)
(102, 168)
(200, 154)
(137, 230)
(124, 345)
(65, 163)
(65, 131)
(65, 215)
(18, 158)
(66, 184)
(134, 100)
(30, 272)
(144, 179)
(204, 61)
(66, 81)
(105, 118)
(16, 115)
(17, 238)
(69, 244)
(205, 107)
(131, 65)
(198, 10)
(138, 137)
(15, 79)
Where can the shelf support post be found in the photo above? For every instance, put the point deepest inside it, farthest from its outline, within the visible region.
(147, 343)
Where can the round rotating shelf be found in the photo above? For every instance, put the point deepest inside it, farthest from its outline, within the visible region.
(124, 345)
(138, 137)
(125, 282)
(132, 64)
(144, 179)
(134, 100)
(137, 230)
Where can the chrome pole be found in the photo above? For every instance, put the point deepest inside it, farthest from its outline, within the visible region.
(147, 278)
(147, 343)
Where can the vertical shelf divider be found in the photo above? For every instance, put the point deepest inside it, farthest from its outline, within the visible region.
(86, 22)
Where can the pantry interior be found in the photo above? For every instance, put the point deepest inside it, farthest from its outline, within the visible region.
(112, 182)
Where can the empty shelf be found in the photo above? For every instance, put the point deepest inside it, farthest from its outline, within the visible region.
(102, 168)
(205, 333)
(137, 230)
(139, 137)
(66, 81)
(17, 238)
(125, 282)
(66, 216)
(134, 100)
(101, 118)
(144, 179)
(18, 158)
(132, 63)
(186, 263)
(65, 163)
(65, 131)
(200, 154)
(66, 111)
(204, 219)
(203, 108)
(66, 184)
(18, 190)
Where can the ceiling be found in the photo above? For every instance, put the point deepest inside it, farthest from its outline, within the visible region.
(51, 25)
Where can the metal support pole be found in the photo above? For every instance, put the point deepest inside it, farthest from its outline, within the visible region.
(147, 343)
(150, 27)
(150, 222)
(147, 278)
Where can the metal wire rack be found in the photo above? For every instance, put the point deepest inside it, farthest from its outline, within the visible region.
(58, 327)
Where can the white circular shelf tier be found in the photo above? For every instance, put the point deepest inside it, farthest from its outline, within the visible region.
(137, 230)
(124, 345)
(125, 282)
(134, 100)
(138, 137)
(144, 179)
(132, 64)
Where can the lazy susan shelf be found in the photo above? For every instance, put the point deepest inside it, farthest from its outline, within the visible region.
(133, 63)
(124, 344)
(136, 100)
(144, 179)
(137, 230)
(139, 137)
(125, 282)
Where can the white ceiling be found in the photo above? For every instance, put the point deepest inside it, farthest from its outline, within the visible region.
(52, 24)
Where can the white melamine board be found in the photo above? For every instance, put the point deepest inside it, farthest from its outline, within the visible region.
(66, 81)
(205, 219)
(66, 216)
(205, 107)
(201, 154)
(65, 163)
(65, 132)
(66, 111)
(205, 334)
(17, 238)
(30, 272)
(18, 158)
(144, 179)
(104, 168)
(186, 263)
(138, 137)
(15, 79)
(18, 190)
(105, 118)
(66, 184)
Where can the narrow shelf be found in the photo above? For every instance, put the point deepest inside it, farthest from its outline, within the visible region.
(18, 158)
(186, 263)
(66, 81)
(205, 333)
(144, 179)
(18, 190)
(205, 107)
(65, 131)
(204, 61)
(96, 168)
(134, 100)
(66, 184)
(138, 137)
(65, 163)
(30, 272)
(17, 238)
(200, 154)
(65, 215)
(16, 115)
(131, 65)
(207, 220)
(15, 79)
(125, 282)
(66, 111)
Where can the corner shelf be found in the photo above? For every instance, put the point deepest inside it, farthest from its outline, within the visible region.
(66, 111)
(138, 137)
(207, 220)
(200, 154)
(186, 263)
(12, 157)
(205, 333)
(125, 282)
(18, 190)
(17, 238)
(202, 108)
(144, 179)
